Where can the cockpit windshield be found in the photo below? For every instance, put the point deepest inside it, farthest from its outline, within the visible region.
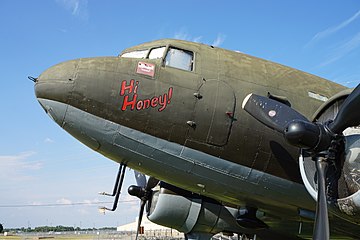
(174, 57)
(179, 58)
(156, 53)
(153, 53)
(136, 54)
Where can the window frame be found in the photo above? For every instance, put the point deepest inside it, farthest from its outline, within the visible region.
(193, 60)
(163, 58)
(152, 48)
(140, 50)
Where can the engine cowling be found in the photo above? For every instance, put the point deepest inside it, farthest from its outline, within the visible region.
(343, 180)
(187, 212)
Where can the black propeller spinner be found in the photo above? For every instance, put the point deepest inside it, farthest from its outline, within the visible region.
(143, 191)
(322, 140)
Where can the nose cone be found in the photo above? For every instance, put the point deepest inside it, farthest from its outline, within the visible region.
(55, 110)
(53, 89)
(56, 82)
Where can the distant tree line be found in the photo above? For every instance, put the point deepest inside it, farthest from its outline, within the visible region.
(54, 229)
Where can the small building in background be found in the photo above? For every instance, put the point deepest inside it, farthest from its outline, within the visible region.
(149, 229)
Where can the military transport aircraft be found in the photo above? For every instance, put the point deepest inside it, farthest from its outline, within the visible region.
(232, 143)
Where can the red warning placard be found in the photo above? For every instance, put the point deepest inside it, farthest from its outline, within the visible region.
(146, 69)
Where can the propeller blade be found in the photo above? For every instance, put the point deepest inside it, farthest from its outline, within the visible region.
(152, 182)
(300, 132)
(272, 113)
(140, 179)
(143, 192)
(142, 206)
(349, 114)
(321, 225)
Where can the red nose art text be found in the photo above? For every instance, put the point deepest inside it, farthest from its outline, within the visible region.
(129, 92)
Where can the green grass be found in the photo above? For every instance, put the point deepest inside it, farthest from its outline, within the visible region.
(52, 237)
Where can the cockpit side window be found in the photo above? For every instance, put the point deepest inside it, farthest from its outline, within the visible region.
(156, 53)
(179, 58)
(136, 54)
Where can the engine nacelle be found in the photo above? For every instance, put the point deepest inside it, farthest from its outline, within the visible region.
(343, 180)
(186, 212)
(351, 173)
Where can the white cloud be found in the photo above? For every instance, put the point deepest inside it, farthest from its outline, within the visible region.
(332, 30)
(64, 201)
(197, 39)
(342, 50)
(75, 7)
(48, 140)
(17, 157)
(91, 202)
(18, 167)
(37, 203)
(219, 40)
(78, 8)
(14, 164)
(182, 34)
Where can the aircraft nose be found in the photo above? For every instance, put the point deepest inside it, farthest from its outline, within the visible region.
(55, 110)
(53, 89)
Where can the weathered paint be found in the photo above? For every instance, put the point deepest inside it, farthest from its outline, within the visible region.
(236, 159)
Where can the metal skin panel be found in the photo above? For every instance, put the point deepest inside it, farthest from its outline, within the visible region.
(213, 115)
(169, 160)
(97, 91)
(175, 211)
(256, 166)
(198, 172)
(193, 215)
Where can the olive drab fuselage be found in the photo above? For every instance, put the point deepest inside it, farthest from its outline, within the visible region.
(172, 109)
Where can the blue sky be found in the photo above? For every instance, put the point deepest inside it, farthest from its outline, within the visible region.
(42, 164)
